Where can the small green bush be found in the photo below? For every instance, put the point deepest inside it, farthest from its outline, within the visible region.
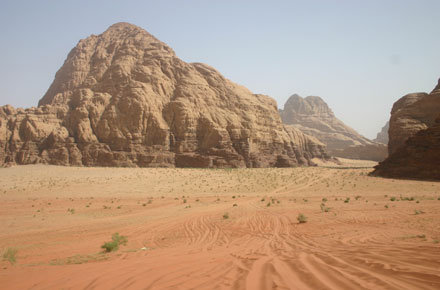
(393, 198)
(301, 218)
(117, 240)
(10, 255)
(226, 216)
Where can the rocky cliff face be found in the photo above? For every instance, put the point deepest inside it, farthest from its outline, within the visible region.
(123, 98)
(418, 158)
(410, 114)
(382, 136)
(314, 117)
(414, 138)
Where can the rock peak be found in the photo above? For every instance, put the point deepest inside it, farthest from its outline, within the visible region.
(314, 117)
(109, 57)
(123, 98)
(122, 25)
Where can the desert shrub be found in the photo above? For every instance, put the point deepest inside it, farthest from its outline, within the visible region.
(235, 204)
(393, 198)
(357, 197)
(116, 241)
(301, 218)
(226, 216)
(324, 208)
(324, 199)
(10, 255)
(347, 200)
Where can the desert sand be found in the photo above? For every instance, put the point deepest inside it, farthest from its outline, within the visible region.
(218, 229)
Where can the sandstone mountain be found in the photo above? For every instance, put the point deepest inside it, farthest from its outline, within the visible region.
(123, 98)
(314, 117)
(418, 158)
(414, 138)
(382, 136)
(410, 114)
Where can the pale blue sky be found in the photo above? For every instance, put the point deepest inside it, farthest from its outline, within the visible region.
(359, 56)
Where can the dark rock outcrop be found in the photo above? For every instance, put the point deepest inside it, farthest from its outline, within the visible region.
(123, 98)
(418, 158)
(414, 138)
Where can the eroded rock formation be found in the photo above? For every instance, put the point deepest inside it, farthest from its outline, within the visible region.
(410, 114)
(314, 117)
(418, 158)
(123, 98)
(414, 138)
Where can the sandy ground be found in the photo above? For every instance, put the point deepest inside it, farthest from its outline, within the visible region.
(177, 217)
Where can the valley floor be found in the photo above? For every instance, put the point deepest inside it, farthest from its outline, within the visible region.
(217, 229)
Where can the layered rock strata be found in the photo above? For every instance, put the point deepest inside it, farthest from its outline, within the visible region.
(414, 138)
(123, 98)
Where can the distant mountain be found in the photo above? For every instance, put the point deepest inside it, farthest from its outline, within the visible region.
(123, 98)
(382, 136)
(314, 117)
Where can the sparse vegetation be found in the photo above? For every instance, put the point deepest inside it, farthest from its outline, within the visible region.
(10, 255)
(324, 208)
(116, 241)
(393, 198)
(225, 216)
(301, 218)
(347, 200)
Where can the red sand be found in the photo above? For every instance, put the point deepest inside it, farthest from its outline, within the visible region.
(360, 244)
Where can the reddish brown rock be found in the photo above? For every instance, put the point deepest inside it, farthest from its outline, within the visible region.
(314, 117)
(414, 138)
(123, 98)
(418, 158)
(410, 114)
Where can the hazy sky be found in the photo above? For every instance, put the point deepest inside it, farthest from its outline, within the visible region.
(359, 56)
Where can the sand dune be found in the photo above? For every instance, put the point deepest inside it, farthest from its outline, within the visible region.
(178, 237)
